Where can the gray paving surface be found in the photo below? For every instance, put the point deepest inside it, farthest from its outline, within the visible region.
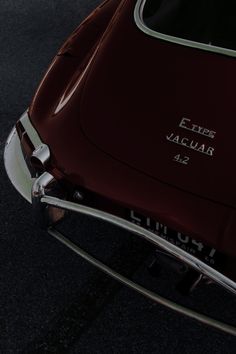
(50, 300)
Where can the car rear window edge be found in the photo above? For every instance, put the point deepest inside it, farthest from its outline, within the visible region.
(138, 17)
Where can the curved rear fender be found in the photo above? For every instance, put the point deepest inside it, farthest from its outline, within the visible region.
(70, 61)
(90, 30)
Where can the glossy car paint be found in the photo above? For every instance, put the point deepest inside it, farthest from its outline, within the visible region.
(106, 106)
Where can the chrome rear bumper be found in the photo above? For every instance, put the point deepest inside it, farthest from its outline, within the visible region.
(34, 191)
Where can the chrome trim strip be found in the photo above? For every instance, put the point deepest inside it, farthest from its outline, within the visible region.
(140, 289)
(147, 235)
(30, 130)
(138, 17)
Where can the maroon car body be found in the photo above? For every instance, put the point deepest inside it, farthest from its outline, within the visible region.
(144, 121)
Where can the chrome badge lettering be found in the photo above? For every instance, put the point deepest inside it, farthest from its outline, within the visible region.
(190, 144)
(188, 125)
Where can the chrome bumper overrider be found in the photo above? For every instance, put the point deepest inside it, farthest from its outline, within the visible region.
(16, 167)
(34, 190)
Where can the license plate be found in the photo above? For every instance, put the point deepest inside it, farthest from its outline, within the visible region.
(197, 248)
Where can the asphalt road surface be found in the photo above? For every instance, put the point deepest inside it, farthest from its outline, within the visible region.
(51, 301)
